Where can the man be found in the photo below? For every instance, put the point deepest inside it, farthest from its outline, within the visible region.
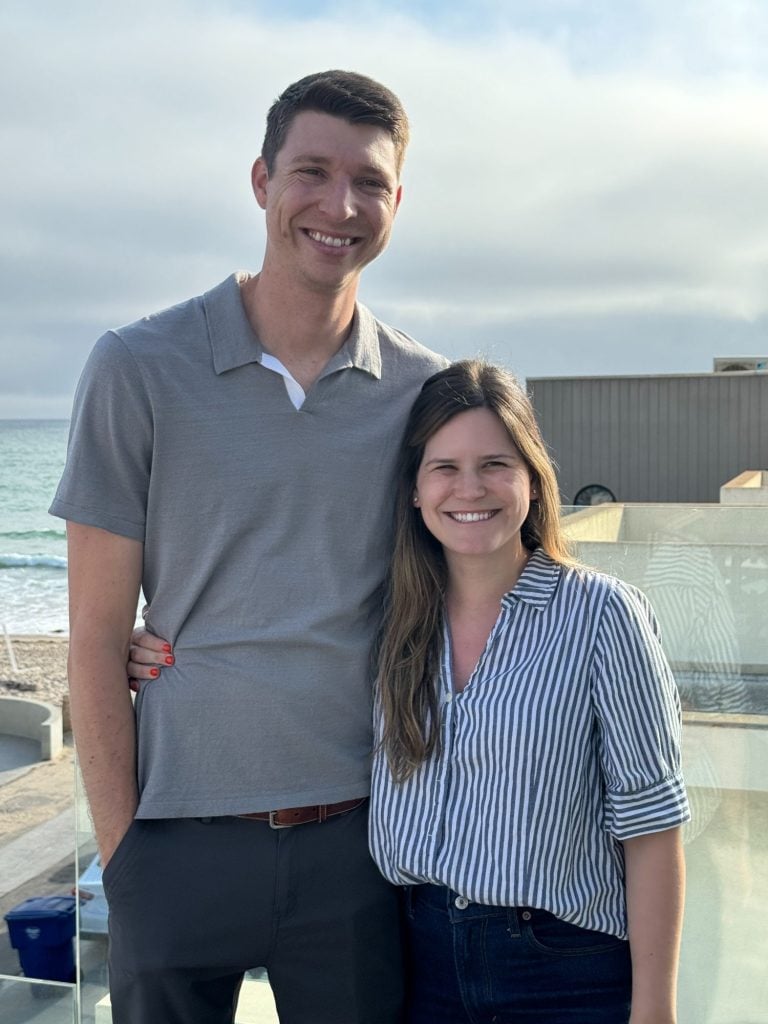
(233, 455)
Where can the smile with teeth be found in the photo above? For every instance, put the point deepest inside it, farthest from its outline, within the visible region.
(472, 517)
(332, 240)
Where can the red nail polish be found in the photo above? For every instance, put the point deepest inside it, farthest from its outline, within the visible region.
(169, 660)
(167, 648)
(154, 672)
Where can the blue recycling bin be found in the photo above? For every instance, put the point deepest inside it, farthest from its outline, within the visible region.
(42, 931)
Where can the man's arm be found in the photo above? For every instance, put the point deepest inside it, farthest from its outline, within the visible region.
(104, 581)
(655, 873)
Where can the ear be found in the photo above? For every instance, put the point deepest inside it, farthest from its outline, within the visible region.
(259, 179)
(398, 197)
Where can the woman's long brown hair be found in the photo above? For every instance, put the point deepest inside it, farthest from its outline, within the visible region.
(409, 644)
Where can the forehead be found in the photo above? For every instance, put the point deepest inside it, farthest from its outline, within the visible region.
(333, 140)
(476, 429)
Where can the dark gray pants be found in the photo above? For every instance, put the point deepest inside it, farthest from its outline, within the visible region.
(195, 903)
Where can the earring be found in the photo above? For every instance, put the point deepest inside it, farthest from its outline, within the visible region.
(416, 499)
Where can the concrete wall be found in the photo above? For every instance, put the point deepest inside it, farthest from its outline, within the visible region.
(33, 720)
(597, 523)
(748, 488)
(713, 525)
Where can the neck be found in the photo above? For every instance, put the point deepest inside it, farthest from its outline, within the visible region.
(482, 582)
(303, 329)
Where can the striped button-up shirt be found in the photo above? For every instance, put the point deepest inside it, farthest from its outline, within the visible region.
(565, 741)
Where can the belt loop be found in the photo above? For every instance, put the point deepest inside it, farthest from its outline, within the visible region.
(322, 813)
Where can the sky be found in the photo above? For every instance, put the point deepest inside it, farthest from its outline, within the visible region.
(585, 190)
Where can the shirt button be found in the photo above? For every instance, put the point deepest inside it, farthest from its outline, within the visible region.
(461, 903)
(448, 698)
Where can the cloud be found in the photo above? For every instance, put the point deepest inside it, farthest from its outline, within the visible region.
(574, 166)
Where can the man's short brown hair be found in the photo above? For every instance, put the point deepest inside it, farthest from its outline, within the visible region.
(345, 94)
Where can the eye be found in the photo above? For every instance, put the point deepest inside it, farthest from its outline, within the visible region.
(374, 185)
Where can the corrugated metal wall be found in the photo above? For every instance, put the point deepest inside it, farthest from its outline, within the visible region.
(671, 438)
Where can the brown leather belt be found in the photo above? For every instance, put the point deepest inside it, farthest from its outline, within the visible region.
(288, 816)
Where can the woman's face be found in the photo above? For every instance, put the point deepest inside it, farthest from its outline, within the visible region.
(474, 488)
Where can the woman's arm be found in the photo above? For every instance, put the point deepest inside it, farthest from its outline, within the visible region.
(655, 881)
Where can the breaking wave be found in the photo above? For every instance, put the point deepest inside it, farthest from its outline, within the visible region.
(32, 561)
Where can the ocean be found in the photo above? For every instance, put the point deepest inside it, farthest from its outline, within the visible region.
(33, 546)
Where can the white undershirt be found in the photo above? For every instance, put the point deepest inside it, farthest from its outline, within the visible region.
(292, 386)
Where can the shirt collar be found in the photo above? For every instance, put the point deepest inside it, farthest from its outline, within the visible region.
(234, 343)
(537, 583)
(361, 349)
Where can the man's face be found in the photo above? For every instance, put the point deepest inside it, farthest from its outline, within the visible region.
(330, 200)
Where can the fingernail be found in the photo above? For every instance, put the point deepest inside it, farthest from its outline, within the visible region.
(154, 672)
(170, 659)
(167, 648)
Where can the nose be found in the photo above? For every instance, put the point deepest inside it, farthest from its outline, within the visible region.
(469, 484)
(338, 200)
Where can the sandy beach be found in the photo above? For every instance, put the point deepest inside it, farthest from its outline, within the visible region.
(41, 668)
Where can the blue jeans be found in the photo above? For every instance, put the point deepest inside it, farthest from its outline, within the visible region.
(472, 964)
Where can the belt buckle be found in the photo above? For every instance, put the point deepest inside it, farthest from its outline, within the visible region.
(274, 823)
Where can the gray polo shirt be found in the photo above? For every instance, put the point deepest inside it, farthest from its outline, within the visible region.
(266, 534)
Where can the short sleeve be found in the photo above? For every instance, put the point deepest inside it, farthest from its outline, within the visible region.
(639, 721)
(109, 456)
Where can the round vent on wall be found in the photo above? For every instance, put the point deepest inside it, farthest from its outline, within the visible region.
(594, 494)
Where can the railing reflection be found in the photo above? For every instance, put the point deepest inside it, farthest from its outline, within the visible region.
(705, 571)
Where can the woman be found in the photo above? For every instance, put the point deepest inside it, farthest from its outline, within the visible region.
(526, 783)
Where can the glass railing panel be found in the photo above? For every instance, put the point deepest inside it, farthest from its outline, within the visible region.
(92, 919)
(705, 571)
(26, 1001)
(37, 878)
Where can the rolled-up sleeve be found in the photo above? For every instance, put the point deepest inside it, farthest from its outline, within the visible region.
(639, 721)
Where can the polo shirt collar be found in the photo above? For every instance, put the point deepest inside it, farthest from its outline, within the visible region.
(361, 349)
(234, 344)
(537, 583)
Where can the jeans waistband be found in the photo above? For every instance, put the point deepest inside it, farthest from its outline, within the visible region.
(458, 907)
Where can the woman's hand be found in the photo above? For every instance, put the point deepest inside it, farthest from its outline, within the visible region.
(147, 655)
